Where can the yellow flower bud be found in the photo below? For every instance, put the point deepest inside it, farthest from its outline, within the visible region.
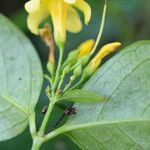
(95, 62)
(86, 48)
(104, 51)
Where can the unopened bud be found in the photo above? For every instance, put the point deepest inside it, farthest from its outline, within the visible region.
(83, 60)
(107, 49)
(72, 78)
(73, 54)
(50, 68)
(104, 51)
(78, 71)
(66, 70)
(86, 48)
(95, 62)
(72, 58)
(48, 91)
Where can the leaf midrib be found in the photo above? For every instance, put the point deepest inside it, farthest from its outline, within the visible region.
(101, 143)
(66, 128)
(83, 128)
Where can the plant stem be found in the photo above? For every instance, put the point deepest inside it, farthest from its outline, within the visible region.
(59, 85)
(46, 118)
(77, 85)
(36, 146)
(37, 143)
(32, 124)
(69, 84)
(58, 69)
(38, 137)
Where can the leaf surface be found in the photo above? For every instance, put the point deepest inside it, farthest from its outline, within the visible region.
(122, 122)
(81, 95)
(20, 79)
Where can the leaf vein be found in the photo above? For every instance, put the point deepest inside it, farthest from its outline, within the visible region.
(76, 141)
(129, 137)
(141, 63)
(15, 104)
(14, 125)
(95, 139)
(6, 109)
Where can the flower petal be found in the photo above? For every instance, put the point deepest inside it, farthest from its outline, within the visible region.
(34, 19)
(73, 22)
(85, 8)
(70, 1)
(58, 10)
(32, 6)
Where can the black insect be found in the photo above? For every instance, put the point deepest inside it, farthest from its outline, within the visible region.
(67, 112)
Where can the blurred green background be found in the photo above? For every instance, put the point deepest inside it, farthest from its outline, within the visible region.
(127, 21)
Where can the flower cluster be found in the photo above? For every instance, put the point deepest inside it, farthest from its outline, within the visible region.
(65, 17)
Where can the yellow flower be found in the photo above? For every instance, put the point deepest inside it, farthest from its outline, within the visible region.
(63, 13)
(95, 62)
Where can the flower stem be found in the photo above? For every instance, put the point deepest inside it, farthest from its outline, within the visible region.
(46, 118)
(58, 70)
(101, 28)
(69, 84)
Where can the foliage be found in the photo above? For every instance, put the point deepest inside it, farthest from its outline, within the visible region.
(110, 112)
(21, 80)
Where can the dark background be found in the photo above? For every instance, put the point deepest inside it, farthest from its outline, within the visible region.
(127, 21)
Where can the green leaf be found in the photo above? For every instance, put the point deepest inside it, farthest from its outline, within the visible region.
(122, 122)
(20, 79)
(81, 95)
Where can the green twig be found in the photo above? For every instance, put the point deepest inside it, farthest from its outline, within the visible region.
(69, 84)
(58, 71)
(46, 118)
(60, 83)
(48, 78)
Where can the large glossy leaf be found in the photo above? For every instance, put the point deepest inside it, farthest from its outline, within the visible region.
(20, 79)
(122, 122)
